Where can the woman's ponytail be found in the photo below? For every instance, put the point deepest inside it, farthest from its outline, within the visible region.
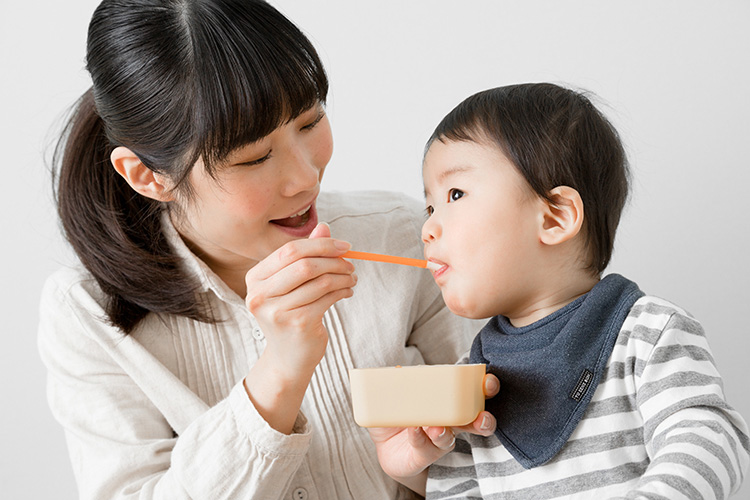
(174, 82)
(116, 233)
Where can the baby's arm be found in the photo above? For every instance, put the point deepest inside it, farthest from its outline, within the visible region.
(697, 444)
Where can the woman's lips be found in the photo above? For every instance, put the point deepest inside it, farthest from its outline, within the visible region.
(295, 220)
(300, 224)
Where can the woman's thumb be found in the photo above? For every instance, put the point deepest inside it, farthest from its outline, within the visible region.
(321, 231)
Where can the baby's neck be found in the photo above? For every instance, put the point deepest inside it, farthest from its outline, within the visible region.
(552, 297)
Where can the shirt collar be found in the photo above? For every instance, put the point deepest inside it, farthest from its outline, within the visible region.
(194, 266)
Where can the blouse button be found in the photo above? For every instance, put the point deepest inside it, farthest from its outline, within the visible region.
(300, 494)
(258, 333)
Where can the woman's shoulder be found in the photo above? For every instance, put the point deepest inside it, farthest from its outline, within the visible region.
(72, 322)
(72, 287)
(375, 221)
(338, 204)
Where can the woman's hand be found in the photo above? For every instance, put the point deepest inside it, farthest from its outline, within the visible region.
(405, 453)
(288, 292)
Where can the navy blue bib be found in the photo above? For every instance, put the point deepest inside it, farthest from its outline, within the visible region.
(549, 370)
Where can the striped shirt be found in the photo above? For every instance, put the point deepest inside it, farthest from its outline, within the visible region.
(658, 427)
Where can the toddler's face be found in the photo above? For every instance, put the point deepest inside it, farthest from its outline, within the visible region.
(482, 227)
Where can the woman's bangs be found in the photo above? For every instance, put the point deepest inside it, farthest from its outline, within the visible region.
(254, 77)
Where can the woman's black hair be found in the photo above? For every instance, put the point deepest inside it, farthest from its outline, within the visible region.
(555, 137)
(174, 81)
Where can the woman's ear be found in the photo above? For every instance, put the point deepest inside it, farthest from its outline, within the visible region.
(141, 178)
(562, 218)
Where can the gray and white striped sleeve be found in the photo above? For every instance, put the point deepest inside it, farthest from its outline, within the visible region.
(459, 478)
(697, 444)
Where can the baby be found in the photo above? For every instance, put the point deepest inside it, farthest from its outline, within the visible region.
(605, 390)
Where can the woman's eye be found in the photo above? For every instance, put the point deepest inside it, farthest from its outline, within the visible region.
(257, 161)
(312, 124)
(454, 194)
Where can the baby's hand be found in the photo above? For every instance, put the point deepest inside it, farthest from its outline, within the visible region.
(405, 453)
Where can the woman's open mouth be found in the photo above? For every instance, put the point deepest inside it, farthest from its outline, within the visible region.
(296, 220)
(300, 224)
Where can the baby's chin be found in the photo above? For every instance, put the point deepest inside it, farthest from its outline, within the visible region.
(465, 307)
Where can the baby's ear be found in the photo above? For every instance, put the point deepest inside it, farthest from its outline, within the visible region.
(562, 218)
(141, 178)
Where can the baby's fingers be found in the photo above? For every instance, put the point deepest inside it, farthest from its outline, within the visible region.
(484, 425)
(441, 437)
(491, 386)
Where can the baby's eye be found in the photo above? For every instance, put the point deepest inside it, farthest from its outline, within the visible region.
(454, 194)
(428, 211)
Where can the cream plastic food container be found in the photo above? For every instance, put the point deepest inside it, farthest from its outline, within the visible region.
(411, 396)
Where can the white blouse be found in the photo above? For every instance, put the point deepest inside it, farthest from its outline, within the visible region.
(162, 413)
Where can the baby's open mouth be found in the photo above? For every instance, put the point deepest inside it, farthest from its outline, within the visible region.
(296, 220)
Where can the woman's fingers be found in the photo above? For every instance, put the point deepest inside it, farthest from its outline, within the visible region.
(322, 230)
(298, 250)
(314, 273)
(297, 317)
(293, 288)
(301, 273)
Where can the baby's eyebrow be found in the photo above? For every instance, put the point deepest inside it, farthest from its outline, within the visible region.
(458, 169)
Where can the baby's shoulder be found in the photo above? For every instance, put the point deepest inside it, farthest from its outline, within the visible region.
(656, 312)
(651, 317)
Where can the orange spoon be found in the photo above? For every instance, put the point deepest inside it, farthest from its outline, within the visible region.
(392, 259)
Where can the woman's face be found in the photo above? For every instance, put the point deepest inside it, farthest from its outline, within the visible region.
(262, 197)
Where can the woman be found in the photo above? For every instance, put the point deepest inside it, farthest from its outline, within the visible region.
(201, 349)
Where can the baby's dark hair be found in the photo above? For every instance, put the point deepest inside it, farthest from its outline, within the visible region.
(555, 137)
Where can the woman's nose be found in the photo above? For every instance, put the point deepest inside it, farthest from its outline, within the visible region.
(301, 173)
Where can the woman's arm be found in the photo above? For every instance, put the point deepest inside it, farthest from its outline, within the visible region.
(288, 293)
(121, 445)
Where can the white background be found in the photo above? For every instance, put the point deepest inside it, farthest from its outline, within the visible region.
(673, 76)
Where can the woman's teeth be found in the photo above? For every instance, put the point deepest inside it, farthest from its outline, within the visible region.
(297, 220)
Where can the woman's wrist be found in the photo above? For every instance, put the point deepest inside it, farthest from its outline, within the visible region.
(277, 392)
